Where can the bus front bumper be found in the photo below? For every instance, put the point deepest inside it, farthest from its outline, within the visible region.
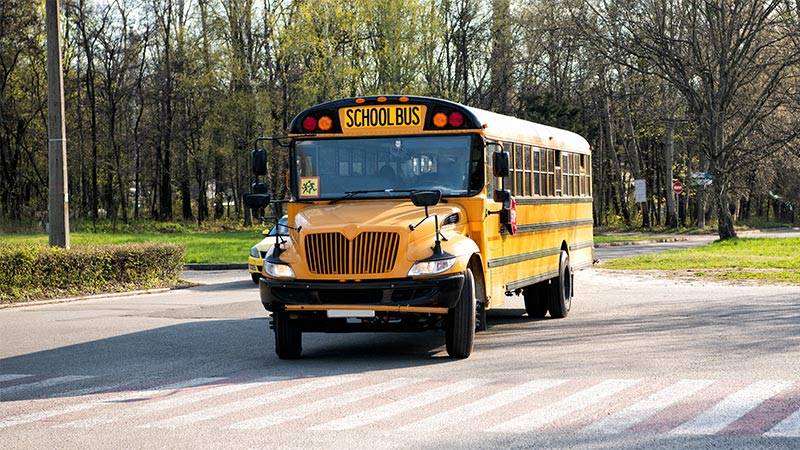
(433, 295)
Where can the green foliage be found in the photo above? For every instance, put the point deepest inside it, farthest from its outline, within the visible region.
(30, 272)
(768, 259)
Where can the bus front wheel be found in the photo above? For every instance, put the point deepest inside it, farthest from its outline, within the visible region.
(288, 337)
(460, 328)
(561, 289)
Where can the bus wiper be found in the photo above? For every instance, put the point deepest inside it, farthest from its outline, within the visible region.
(350, 194)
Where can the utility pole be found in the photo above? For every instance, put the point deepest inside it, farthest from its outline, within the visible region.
(57, 194)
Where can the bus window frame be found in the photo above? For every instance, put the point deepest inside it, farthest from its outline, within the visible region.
(294, 195)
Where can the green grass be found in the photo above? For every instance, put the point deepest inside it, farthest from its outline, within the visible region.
(764, 259)
(630, 237)
(219, 247)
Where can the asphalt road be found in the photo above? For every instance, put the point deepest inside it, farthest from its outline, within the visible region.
(639, 362)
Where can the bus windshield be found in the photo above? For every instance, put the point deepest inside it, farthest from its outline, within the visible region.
(331, 168)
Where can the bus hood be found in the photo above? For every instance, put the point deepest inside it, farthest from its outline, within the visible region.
(351, 218)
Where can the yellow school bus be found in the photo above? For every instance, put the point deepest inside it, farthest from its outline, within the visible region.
(414, 213)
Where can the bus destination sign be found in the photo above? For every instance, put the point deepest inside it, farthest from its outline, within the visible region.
(382, 119)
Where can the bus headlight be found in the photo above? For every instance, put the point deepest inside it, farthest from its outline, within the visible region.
(431, 267)
(278, 270)
(254, 252)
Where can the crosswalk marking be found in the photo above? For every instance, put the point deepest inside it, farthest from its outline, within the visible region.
(321, 405)
(732, 408)
(123, 397)
(573, 403)
(788, 427)
(251, 402)
(399, 406)
(169, 402)
(48, 382)
(11, 376)
(482, 406)
(644, 409)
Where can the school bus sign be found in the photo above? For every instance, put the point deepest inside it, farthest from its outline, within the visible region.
(381, 119)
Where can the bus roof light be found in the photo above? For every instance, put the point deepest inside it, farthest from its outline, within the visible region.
(325, 123)
(381, 99)
(310, 123)
(440, 119)
(456, 119)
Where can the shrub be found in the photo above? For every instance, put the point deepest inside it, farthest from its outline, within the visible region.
(34, 272)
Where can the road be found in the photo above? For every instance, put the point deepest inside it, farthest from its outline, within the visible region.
(640, 362)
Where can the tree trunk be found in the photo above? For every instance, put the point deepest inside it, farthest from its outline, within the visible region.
(725, 227)
(669, 152)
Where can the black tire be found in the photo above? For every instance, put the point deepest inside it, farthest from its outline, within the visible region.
(561, 289)
(537, 300)
(460, 329)
(288, 337)
(255, 277)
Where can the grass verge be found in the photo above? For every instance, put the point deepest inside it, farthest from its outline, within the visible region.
(757, 259)
(201, 247)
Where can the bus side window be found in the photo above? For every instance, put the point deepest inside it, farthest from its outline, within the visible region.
(537, 171)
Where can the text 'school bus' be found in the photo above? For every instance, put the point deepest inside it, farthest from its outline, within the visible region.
(414, 213)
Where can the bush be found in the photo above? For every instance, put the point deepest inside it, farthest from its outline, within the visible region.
(35, 272)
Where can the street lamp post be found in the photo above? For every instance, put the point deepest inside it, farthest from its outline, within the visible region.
(57, 194)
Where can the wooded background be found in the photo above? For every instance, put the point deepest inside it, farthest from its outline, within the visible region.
(164, 97)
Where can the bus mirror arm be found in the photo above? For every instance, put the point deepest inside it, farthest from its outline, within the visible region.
(426, 199)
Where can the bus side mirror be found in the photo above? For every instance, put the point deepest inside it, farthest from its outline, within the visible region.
(256, 201)
(258, 159)
(426, 198)
(508, 213)
(259, 188)
(502, 196)
(500, 164)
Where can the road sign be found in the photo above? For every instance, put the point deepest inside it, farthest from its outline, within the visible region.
(677, 187)
(701, 178)
(640, 191)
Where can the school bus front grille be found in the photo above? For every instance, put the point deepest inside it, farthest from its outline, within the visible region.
(370, 252)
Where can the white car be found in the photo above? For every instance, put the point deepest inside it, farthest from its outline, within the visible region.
(257, 252)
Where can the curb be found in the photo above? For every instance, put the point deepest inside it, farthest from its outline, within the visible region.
(234, 266)
(85, 297)
(646, 241)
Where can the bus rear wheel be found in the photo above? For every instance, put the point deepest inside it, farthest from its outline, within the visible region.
(536, 300)
(561, 289)
(460, 327)
(288, 337)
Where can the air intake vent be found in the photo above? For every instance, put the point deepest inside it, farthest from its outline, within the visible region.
(369, 253)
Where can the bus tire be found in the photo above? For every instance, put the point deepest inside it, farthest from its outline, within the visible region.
(460, 329)
(561, 289)
(255, 277)
(288, 337)
(536, 300)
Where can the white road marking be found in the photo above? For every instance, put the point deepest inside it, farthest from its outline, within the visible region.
(562, 408)
(788, 427)
(42, 384)
(732, 408)
(123, 397)
(251, 402)
(395, 408)
(482, 406)
(12, 376)
(166, 403)
(304, 410)
(644, 409)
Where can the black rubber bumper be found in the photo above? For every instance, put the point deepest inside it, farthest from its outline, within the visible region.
(435, 292)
